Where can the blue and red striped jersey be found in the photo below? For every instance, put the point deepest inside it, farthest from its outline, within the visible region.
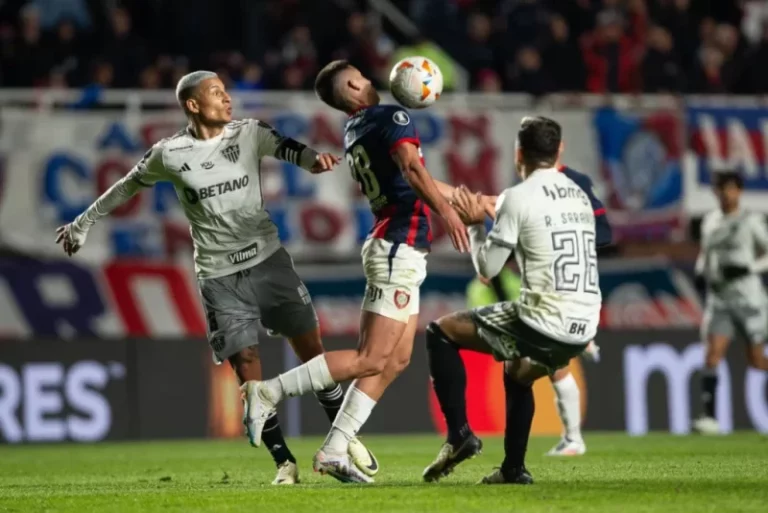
(604, 234)
(370, 137)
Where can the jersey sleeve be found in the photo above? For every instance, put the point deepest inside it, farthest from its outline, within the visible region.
(760, 235)
(603, 230)
(506, 226)
(490, 254)
(271, 143)
(397, 128)
(150, 169)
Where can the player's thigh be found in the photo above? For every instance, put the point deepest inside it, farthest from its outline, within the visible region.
(401, 356)
(525, 370)
(751, 322)
(232, 322)
(513, 340)
(285, 304)
(461, 328)
(394, 273)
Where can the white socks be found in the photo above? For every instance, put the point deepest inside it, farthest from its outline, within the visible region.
(569, 406)
(355, 410)
(312, 376)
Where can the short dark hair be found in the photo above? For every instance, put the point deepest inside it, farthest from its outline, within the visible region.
(325, 84)
(539, 140)
(722, 178)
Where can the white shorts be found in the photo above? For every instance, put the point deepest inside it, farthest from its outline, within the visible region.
(394, 272)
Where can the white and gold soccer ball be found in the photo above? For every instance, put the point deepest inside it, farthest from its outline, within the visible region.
(416, 82)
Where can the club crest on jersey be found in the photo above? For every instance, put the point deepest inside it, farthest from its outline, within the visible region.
(207, 165)
(401, 118)
(231, 153)
(402, 299)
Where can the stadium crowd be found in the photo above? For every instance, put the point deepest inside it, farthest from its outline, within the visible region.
(533, 46)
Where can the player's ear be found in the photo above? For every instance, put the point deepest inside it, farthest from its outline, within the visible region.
(192, 106)
(560, 150)
(352, 84)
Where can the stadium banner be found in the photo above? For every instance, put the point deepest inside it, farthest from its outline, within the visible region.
(137, 389)
(641, 161)
(69, 298)
(54, 164)
(722, 138)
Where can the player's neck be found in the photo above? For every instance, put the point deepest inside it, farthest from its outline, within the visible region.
(205, 132)
(729, 209)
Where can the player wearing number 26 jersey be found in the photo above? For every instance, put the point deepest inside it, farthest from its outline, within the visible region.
(548, 221)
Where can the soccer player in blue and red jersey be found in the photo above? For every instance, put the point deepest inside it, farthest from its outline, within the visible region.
(383, 152)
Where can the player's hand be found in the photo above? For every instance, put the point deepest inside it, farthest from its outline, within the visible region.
(456, 230)
(733, 272)
(70, 238)
(471, 207)
(489, 205)
(324, 162)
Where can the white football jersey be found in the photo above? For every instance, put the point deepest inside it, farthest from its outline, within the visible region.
(550, 223)
(218, 183)
(732, 239)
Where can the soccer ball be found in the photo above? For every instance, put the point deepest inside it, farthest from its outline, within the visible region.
(416, 82)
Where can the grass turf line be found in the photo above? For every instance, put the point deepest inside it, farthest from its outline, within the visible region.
(658, 473)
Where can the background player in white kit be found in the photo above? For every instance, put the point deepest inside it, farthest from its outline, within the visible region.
(245, 275)
(736, 305)
(549, 223)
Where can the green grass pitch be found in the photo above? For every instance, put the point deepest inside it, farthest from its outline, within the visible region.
(658, 473)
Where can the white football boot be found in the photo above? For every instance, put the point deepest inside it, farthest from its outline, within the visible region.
(259, 406)
(363, 458)
(568, 447)
(287, 474)
(706, 426)
(339, 466)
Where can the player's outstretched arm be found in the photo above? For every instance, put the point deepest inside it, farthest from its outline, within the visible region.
(271, 143)
(406, 155)
(489, 253)
(146, 173)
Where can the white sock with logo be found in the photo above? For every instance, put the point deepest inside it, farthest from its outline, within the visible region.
(312, 376)
(568, 400)
(355, 410)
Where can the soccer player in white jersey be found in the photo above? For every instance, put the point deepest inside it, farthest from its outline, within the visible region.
(548, 222)
(736, 304)
(245, 276)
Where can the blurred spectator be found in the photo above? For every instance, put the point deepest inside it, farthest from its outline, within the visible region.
(755, 20)
(478, 53)
(661, 69)
(102, 78)
(676, 17)
(727, 39)
(126, 49)
(707, 77)
(150, 78)
(66, 51)
(610, 56)
(299, 50)
(54, 11)
(563, 59)
(488, 81)
(31, 61)
(252, 78)
(528, 75)
(294, 78)
(367, 48)
(758, 72)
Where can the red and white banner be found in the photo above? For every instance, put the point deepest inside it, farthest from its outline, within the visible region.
(55, 164)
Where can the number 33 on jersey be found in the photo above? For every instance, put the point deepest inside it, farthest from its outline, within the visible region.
(370, 136)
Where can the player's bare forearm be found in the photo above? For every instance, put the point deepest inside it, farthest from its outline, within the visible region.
(425, 187)
(428, 189)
